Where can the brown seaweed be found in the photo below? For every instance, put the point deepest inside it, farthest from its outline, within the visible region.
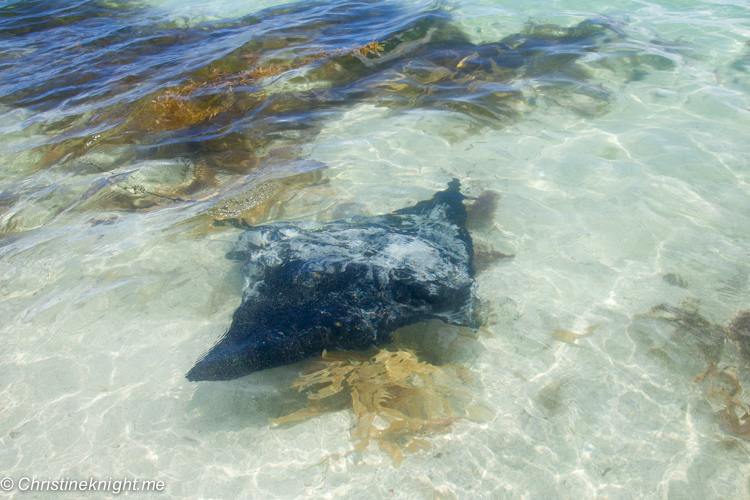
(397, 399)
(731, 422)
(739, 331)
(701, 339)
(726, 392)
(706, 341)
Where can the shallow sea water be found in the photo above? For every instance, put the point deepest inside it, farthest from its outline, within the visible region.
(626, 192)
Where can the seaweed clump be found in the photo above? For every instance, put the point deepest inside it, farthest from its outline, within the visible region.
(734, 417)
(397, 399)
(706, 341)
(726, 396)
(739, 331)
(701, 339)
(178, 108)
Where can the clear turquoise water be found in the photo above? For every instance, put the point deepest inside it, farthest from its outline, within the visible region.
(637, 171)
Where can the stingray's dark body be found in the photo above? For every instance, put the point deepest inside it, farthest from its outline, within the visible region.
(346, 285)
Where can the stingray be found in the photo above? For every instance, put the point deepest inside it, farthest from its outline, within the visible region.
(346, 285)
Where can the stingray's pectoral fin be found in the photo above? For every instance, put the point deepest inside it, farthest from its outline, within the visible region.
(246, 349)
(218, 364)
(240, 352)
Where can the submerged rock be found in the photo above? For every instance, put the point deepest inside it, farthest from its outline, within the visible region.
(258, 103)
(346, 285)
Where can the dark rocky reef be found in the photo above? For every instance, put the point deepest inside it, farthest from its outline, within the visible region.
(162, 113)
